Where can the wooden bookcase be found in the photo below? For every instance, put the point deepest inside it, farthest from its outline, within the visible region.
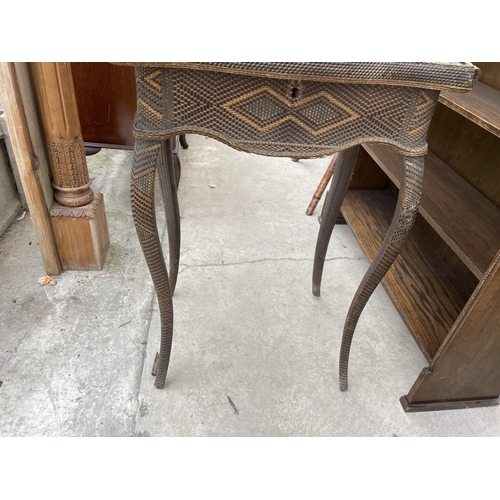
(446, 282)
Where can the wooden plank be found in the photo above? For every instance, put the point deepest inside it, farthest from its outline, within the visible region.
(466, 220)
(481, 105)
(463, 273)
(447, 405)
(425, 292)
(28, 163)
(490, 73)
(471, 151)
(466, 366)
(106, 99)
(367, 175)
(35, 131)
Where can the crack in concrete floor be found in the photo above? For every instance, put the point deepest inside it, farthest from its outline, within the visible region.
(183, 267)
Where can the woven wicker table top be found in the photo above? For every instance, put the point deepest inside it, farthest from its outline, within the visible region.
(457, 76)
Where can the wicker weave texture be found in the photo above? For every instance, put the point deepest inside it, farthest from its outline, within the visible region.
(274, 117)
(432, 75)
(148, 156)
(412, 175)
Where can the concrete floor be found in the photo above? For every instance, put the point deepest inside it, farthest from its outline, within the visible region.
(246, 324)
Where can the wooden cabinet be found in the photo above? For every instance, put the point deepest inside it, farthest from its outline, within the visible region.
(105, 95)
(446, 282)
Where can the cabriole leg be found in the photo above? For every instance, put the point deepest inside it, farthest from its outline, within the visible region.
(147, 156)
(344, 168)
(411, 175)
(168, 186)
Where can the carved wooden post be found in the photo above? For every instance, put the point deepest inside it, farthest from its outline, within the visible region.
(78, 216)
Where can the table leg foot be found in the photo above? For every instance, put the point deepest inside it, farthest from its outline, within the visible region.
(161, 373)
(155, 364)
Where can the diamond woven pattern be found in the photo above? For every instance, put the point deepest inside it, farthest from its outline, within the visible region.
(279, 117)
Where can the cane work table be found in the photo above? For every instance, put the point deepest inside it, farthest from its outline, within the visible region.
(297, 110)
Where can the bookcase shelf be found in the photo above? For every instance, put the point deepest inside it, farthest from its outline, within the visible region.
(481, 106)
(467, 221)
(446, 281)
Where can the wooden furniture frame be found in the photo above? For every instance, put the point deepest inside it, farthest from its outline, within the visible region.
(295, 110)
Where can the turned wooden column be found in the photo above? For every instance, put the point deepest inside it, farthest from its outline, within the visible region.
(70, 176)
(78, 214)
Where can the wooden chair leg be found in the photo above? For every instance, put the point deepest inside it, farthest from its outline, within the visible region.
(182, 140)
(322, 186)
